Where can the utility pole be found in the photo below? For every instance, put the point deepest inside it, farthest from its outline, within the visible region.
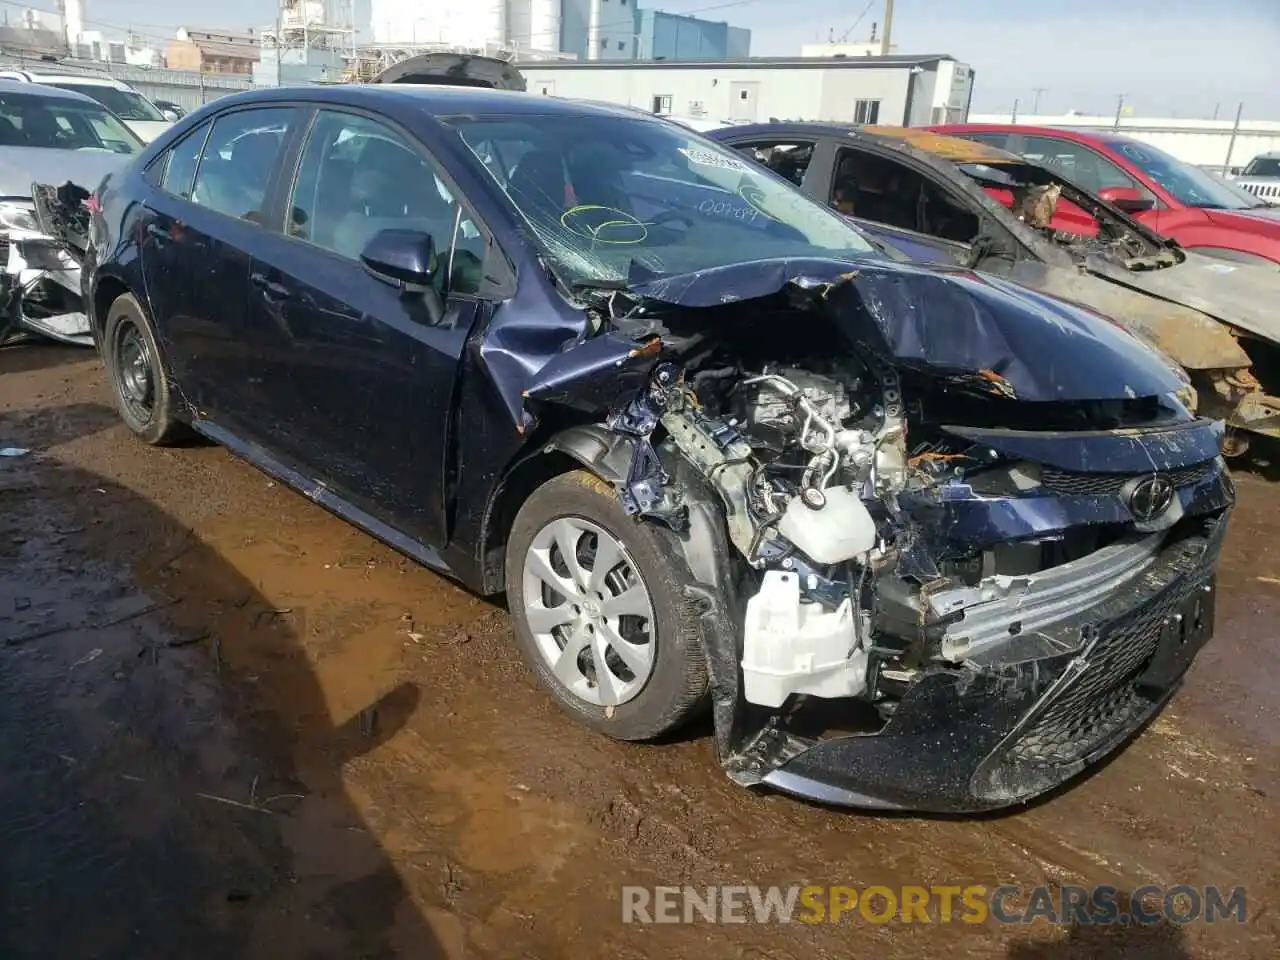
(1119, 110)
(1035, 105)
(1014, 117)
(888, 28)
(1231, 144)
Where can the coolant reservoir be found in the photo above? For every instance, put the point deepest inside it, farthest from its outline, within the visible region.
(841, 530)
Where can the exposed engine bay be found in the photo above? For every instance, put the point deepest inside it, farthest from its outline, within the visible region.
(800, 460)
(929, 507)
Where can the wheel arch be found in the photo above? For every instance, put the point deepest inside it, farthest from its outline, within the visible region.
(604, 453)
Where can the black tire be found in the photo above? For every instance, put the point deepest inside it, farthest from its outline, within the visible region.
(677, 687)
(152, 418)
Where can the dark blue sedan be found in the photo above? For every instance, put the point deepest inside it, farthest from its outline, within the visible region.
(717, 449)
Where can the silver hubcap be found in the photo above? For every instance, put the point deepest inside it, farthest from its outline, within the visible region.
(589, 611)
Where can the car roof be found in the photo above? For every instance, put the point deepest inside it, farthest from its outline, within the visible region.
(439, 100)
(35, 76)
(1061, 133)
(942, 146)
(30, 88)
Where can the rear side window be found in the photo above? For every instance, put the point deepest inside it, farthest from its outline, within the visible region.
(238, 159)
(998, 140)
(178, 168)
(1077, 163)
(788, 159)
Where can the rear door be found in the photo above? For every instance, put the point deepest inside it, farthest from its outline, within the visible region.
(200, 219)
(361, 378)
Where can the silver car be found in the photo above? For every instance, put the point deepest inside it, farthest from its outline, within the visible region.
(54, 137)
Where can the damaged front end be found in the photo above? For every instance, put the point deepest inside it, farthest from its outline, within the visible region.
(951, 540)
(42, 249)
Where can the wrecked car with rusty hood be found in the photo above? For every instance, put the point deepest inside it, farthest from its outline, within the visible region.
(943, 539)
(951, 200)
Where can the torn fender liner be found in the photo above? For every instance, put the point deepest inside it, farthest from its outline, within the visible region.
(947, 321)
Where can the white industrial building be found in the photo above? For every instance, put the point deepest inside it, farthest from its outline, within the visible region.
(533, 25)
(545, 29)
(893, 90)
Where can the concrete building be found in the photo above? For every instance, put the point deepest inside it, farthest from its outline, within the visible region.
(213, 51)
(1213, 144)
(894, 91)
(585, 29)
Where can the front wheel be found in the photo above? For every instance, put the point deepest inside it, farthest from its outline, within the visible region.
(599, 611)
(132, 359)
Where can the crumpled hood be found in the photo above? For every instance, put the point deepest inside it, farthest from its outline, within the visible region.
(20, 167)
(1243, 295)
(950, 322)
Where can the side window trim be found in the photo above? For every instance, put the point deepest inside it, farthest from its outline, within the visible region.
(494, 253)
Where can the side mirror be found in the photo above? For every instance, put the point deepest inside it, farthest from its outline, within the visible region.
(1128, 199)
(407, 259)
(171, 115)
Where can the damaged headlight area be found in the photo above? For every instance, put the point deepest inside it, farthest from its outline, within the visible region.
(40, 290)
(941, 597)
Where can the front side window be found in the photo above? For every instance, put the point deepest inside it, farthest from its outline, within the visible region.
(57, 123)
(604, 196)
(359, 176)
(125, 104)
(238, 159)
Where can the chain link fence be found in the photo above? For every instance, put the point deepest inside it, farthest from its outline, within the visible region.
(187, 88)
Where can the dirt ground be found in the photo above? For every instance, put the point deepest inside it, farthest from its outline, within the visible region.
(234, 726)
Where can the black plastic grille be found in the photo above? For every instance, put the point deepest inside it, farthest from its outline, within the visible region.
(1072, 483)
(1104, 699)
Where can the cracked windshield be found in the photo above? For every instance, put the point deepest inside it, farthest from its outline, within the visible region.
(606, 195)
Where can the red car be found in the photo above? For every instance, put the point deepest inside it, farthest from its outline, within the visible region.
(1174, 198)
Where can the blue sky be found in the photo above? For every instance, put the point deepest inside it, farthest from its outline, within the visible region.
(1167, 56)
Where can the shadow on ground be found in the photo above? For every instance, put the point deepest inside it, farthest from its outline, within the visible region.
(156, 802)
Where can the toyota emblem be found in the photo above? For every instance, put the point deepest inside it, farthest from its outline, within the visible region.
(1150, 497)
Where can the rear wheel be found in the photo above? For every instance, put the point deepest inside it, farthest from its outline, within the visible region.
(132, 359)
(599, 611)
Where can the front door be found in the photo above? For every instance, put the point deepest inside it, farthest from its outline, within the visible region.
(367, 375)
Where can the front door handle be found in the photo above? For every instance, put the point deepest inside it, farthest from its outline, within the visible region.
(272, 290)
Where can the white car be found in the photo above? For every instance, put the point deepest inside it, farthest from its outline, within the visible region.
(140, 115)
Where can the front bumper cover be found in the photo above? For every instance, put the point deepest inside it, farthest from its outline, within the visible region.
(974, 739)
